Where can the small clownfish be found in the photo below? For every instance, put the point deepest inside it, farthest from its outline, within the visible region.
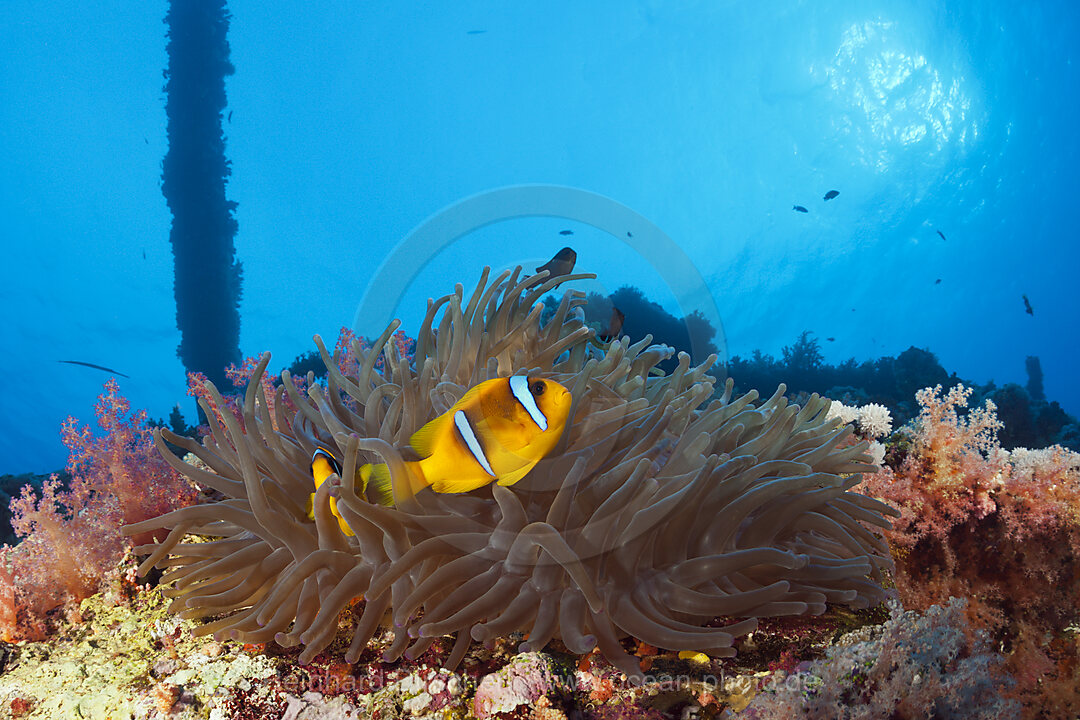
(323, 465)
(497, 431)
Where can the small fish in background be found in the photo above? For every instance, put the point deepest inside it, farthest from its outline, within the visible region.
(799, 208)
(566, 232)
(146, 141)
(475, 32)
(942, 235)
(614, 327)
(698, 658)
(229, 119)
(95, 367)
(629, 234)
(830, 339)
(561, 264)
(938, 281)
(496, 432)
(1027, 306)
(831, 194)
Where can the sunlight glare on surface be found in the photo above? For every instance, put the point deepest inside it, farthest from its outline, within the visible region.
(896, 98)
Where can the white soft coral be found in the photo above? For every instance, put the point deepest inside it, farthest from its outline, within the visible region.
(846, 413)
(874, 420)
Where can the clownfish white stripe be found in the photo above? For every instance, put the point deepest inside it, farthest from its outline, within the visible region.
(519, 386)
(465, 430)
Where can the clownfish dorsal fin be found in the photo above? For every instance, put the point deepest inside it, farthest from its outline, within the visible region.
(423, 440)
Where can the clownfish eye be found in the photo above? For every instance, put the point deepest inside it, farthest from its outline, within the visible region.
(537, 388)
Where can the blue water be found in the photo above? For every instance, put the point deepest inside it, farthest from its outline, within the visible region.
(351, 124)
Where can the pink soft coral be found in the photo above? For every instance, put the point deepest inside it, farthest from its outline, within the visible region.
(71, 537)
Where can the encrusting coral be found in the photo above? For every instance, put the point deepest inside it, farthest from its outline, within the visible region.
(654, 515)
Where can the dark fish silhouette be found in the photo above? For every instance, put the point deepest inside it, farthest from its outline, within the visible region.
(614, 327)
(475, 32)
(92, 365)
(831, 339)
(799, 208)
(146, 141)
(1027, 306)
(831, 194)
(229, 119)
(561, 264)
(938, 281)
(143, 254)
(942, 235)
(629, 234)
(566, 232)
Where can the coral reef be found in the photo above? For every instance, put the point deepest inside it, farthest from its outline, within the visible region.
(10, 488)
(888, 381)
(71, 535)
(692, 334)
(523, 681)
(1034, 385)
(1029, 419)
(654, 516)
(914, 666)
(125, 656)
(997, 527)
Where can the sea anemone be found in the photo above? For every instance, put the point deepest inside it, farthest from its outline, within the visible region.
(655, 514)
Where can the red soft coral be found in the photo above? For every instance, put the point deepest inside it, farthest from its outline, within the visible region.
(71, 537)
(1000, 528)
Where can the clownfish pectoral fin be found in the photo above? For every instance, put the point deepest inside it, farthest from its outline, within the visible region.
(513, 477)
(453, 485)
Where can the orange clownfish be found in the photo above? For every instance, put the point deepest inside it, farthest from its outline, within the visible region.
(496, 432)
